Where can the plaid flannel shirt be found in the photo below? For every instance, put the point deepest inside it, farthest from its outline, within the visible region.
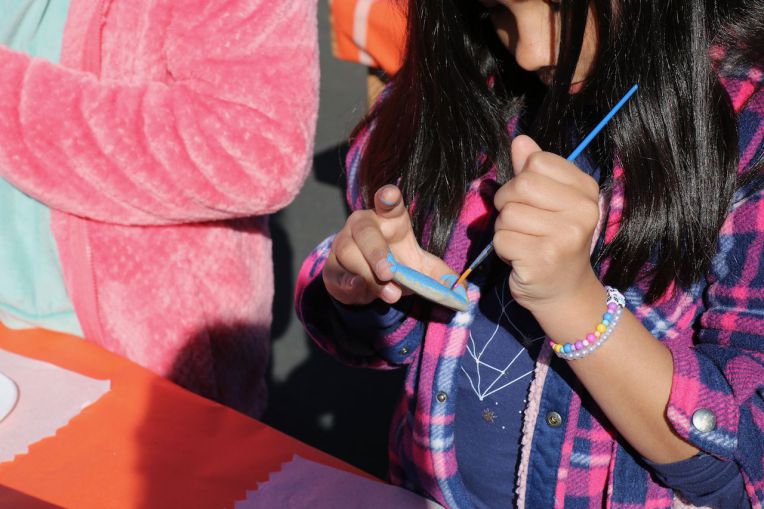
(715, 331)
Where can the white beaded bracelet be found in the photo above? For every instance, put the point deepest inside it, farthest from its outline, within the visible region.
(594, 340)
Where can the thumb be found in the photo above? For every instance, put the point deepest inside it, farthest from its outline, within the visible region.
(522, 147)
(388, 202)
(389, 206)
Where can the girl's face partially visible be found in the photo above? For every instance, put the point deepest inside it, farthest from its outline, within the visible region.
(530, 30)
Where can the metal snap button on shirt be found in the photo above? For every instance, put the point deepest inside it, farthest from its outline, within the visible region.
(704, 420)
(554, 419)
(404, 350)
(442, 397)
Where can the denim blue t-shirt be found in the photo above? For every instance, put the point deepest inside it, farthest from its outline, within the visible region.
(493, 381)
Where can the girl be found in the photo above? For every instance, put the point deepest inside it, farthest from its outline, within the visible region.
(137, 174)
(551, 391)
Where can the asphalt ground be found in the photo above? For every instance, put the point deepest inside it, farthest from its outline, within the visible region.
(342, 411)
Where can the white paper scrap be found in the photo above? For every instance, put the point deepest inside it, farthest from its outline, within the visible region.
(48, 398)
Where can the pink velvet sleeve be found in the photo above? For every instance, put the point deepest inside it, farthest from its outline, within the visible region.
(228, 132)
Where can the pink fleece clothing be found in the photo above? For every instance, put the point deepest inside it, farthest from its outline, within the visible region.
(162, 141)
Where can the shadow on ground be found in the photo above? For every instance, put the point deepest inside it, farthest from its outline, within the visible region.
(340, 410)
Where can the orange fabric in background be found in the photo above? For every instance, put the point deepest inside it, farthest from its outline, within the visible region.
(370, 32)
(147, 443)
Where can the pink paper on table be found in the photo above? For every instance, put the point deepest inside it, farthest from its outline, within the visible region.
(302, 483)
(49, 397)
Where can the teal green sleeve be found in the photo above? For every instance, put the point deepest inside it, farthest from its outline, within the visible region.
(32, 291)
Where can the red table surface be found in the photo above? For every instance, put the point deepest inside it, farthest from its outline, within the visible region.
(146, 443)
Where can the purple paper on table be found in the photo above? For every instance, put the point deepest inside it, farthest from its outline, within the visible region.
(305, 484)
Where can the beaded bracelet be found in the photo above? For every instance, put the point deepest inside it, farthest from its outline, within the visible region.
(592, 341)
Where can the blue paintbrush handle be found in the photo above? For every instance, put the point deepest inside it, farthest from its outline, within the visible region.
(572, 157)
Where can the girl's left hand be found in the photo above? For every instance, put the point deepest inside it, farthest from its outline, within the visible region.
(547, 216)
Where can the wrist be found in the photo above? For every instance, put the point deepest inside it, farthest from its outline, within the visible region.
(575, 316)
(589, 293)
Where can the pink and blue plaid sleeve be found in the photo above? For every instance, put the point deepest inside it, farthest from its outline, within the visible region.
(717, 396)
(371, 348)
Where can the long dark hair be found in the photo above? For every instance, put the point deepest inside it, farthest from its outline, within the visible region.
(443, 120)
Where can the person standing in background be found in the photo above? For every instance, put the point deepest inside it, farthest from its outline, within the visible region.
(142, 147)
(371, 33)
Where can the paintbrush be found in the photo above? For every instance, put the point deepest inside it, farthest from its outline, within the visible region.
(572, 157)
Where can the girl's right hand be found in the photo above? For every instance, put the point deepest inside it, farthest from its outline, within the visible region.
(357, 270)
